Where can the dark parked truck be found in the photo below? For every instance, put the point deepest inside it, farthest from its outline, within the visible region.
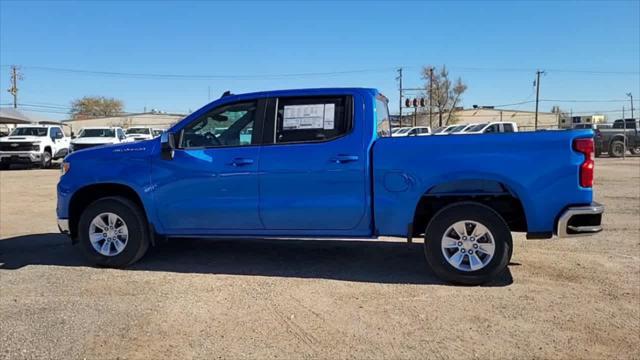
(321, 163)
(612, 140)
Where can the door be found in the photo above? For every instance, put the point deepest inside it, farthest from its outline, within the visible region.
(211, 184)
(312, 166)
(57, 138)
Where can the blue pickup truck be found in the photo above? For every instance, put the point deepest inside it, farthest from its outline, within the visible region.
(321, 163)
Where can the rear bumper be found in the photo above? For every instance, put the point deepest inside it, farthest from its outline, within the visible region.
(580, 221)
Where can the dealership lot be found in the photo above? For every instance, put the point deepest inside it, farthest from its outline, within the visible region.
(201, 298)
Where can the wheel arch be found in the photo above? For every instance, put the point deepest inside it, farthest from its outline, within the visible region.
(616, 138)
(86, 195)
(495, 194)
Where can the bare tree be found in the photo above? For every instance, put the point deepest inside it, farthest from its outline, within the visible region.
(445, 95)
(95, 106)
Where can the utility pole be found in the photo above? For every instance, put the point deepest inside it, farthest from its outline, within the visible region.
(400, 98)
(537, 96)
(631, 96)
(13, 90)
(430, 95)
(624, 134)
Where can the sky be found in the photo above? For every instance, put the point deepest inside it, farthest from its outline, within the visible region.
(178, 56)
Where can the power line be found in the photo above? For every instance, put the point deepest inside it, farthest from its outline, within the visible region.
(555, 70)
(293, 75)
(585, 101)
(200, 77)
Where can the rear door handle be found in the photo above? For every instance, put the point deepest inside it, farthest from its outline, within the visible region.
(341, 158)
(241, 162)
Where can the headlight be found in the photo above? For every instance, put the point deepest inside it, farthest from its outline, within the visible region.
(64, 168)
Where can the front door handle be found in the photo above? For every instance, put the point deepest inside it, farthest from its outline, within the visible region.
(241, 162)
(341, 158)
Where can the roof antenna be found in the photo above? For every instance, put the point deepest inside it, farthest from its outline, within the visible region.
(226, 93)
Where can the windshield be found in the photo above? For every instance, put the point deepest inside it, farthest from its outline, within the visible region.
(30, 131)
(403, 131)
(477, 127)
(144, 131)
(157, 132)
(97, 133)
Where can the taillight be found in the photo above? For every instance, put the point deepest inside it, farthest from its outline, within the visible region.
(586, 147)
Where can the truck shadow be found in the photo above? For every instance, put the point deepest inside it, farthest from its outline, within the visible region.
(360, 261)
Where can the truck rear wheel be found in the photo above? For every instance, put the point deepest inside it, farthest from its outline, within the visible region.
(616, 149)
(112, 232)
(468, 243)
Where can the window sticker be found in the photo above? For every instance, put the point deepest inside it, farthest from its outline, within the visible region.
(329, 114)
(312, 116)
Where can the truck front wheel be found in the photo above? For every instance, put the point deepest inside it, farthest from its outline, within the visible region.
(468, 243)
(46, 160)
(112, 232)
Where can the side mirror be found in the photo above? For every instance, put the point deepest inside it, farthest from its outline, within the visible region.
(167, 145)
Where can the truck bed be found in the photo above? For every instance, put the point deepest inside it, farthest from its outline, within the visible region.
(532, 166)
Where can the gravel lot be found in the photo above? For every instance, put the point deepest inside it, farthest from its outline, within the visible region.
(316, 299)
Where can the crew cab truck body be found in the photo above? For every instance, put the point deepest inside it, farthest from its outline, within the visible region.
(321, 163)
(33, 144)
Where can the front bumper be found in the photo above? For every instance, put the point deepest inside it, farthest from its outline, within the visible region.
(580, 220)
(15, 157)
(63, 226)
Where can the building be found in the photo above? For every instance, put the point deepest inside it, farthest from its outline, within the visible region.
(524, 119)
(154, 120)
(586, 119)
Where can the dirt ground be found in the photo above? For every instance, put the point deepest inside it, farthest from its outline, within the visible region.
(576, 298)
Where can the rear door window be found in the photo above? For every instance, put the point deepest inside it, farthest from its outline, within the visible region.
(382, 117)
(493, 129)
(312, 119)
(508, 127)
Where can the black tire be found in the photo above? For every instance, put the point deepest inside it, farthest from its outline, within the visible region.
(470, 211)
(616, 149)
(634, 151)
(135, 220)
(45, 162)
(4, 166)
(598, 152)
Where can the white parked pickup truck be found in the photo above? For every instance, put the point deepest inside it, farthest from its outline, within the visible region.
(138, 133)
(96, 136)
(492, 128)
(33, 144)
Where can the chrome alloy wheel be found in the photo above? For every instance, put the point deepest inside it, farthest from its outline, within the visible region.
(108, 234)
(468, 245)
